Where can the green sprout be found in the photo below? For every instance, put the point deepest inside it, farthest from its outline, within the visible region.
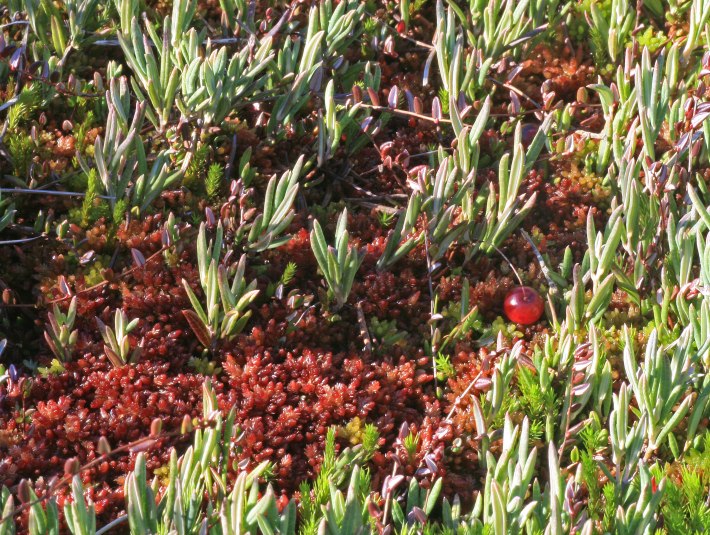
(225, 311)
(338, 264)
(117, 343)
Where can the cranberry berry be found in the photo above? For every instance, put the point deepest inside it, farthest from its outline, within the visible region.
(523, 305)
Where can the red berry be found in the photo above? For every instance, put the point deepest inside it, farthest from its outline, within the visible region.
(523, 305)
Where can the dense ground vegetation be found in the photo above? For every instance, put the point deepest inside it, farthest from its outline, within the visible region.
(346, 266)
